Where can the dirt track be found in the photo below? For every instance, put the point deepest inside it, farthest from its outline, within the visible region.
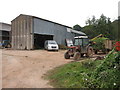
(24, 69)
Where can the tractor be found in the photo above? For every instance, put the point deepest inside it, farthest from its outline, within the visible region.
(82, 46)
(5, 44)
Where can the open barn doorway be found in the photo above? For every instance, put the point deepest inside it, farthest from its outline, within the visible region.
(39, 40)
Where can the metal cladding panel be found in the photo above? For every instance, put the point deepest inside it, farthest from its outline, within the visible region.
(0, 26)
(43, 27)
(22, 35)
(5, 27)
(60, 32)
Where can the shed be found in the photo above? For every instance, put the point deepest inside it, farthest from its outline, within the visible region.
(30, 32)
(5, 31)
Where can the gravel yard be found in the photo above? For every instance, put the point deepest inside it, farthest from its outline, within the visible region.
(24, 69)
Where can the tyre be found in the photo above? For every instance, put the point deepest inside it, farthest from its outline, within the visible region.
(82, 54)
(66, 55)
(90, 52)
(96, 51)
(9, 46)
(77, 56)
(105, 51)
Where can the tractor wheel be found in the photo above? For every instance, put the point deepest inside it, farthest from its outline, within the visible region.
(77, 56)
(90, 52)
(9, 46)
(82, 54)
(96, 51)
(105, 51)
(66, 55)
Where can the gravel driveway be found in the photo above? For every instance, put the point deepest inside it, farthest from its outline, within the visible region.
(24, 69)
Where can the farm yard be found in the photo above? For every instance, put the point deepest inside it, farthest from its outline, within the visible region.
(59, 47)
(26, 69)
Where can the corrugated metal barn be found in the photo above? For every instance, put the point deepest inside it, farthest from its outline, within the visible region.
(30, 32)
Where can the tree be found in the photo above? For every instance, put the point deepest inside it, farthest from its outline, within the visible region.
(118, 17)
(91, 21)
(118, 28)
(103, 25)
(77, 27)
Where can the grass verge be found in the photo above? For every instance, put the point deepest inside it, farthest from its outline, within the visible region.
(87, 74)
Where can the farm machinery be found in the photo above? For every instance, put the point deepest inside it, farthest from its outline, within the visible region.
(100, 43)
(5, 44)
(80, 48)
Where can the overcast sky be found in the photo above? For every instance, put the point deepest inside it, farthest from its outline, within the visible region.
(67, 12)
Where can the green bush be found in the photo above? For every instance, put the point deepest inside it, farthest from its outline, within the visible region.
(99, 43)
(107, 74)
(88, 73)
(88, 64)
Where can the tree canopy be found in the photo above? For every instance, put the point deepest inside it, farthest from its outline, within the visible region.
(103, 25)
(77, 27)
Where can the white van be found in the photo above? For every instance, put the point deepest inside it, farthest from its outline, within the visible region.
(51, 45)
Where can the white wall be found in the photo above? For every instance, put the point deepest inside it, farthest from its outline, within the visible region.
(5, 27)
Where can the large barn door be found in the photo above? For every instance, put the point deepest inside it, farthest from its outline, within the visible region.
(40, 39)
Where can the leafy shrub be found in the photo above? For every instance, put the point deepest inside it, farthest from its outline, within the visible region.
(99, 43)
(107, 74)
(88, 64)
(88, 74)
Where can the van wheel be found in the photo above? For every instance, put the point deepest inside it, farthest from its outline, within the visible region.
(66, 55)
(77, 56)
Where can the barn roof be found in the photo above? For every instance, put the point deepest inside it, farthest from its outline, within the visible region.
(74, 31)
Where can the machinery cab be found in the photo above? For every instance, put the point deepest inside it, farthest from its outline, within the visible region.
(80, 48)
(82, 42)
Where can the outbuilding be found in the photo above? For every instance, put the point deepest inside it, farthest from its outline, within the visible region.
(5, 31)
(30, 32)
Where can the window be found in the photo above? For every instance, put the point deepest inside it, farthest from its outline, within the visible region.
(85, 41)
(78, 42)
(52, 42)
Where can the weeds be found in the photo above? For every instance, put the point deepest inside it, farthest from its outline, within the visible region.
(89, 74)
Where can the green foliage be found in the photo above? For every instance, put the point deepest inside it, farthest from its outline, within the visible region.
(118, 29)
(99, 43)
(77, 27)
(103, 25)
(107, 74)
(115, 26)
(88, 74)
(72, 75)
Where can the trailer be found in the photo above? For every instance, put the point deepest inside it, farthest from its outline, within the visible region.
(100, 43)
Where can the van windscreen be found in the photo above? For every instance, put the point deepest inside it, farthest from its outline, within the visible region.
(52, 42)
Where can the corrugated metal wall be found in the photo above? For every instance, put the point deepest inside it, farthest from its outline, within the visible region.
(22, 33)
(24, 27)
(48, 28)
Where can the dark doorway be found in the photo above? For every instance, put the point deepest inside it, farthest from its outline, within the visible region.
(39, 40)
(4, 35)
